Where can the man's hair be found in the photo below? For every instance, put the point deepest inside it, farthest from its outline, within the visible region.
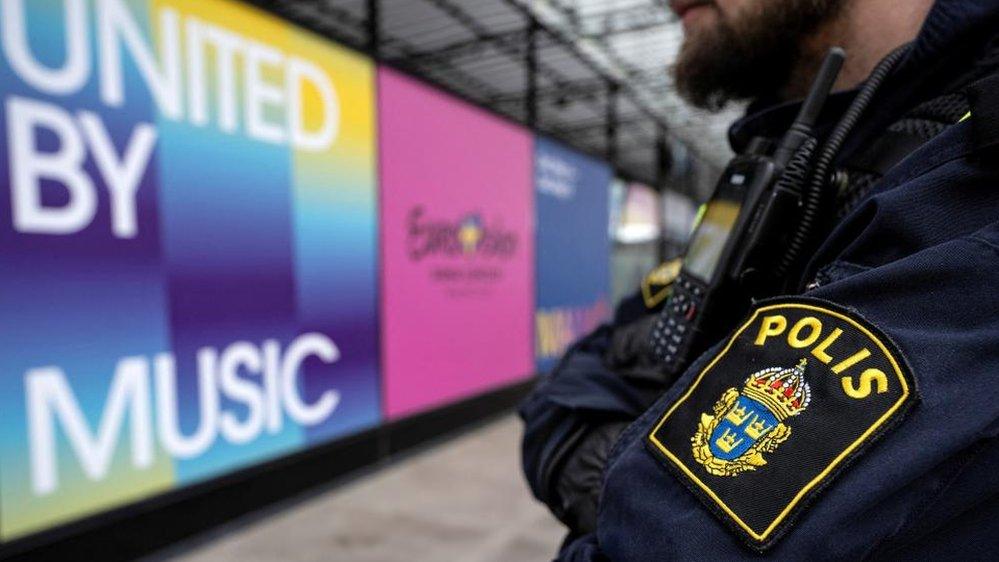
(749, 55)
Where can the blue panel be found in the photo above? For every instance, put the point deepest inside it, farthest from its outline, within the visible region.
(572, 194)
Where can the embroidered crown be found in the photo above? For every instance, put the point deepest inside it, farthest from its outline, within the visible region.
(782, 390)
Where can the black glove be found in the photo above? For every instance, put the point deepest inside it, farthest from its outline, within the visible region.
(580, 480)
(631, 356)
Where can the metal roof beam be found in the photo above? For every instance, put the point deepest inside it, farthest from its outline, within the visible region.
(566, 91)
(636, 18)
(515, 50)
(468, 48)
(597, 126)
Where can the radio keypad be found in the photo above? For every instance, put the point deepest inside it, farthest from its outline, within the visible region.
(673, 333)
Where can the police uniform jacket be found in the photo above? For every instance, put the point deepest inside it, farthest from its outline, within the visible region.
(911, 274)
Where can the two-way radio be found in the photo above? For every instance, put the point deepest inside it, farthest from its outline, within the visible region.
(736, 249)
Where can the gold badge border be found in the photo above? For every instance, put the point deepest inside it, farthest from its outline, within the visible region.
(762, 536)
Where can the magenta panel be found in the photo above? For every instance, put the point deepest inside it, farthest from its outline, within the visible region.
(457, 247)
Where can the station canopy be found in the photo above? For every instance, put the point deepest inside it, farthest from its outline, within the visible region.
(592, 73)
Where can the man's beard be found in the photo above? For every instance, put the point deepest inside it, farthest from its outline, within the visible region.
(750, 55)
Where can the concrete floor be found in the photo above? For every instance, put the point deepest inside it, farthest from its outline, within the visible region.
(463, 499)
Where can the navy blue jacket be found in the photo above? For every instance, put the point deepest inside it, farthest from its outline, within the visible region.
(919, 259)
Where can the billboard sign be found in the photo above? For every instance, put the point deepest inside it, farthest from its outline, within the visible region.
(572, 197)
(457, 247)
(188, 239)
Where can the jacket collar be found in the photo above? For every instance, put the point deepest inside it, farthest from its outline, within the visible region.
(954, 36)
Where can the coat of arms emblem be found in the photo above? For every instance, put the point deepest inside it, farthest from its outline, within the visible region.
(746, 425)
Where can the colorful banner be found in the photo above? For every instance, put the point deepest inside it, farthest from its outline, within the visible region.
(188, 239)
(573, 257)
(457, 247)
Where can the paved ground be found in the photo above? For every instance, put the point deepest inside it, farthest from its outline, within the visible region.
(461, 500)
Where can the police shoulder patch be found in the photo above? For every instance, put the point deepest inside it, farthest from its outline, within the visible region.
(656, 286)
(800, 389)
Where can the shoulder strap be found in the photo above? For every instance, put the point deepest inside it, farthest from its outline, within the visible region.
(983, 97)
(914, 129)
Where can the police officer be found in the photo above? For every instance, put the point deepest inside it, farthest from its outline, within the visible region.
(856, 416)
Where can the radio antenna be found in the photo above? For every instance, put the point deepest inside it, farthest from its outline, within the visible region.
(801, 129)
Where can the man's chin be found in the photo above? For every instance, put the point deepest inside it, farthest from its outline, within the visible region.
(745, 54)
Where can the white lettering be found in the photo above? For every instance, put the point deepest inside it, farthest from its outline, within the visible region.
(272, 392)
(300, 71)
(29, 167)
(241, 354)
(51, 404)
(260, 93)
(304, 346)
(62, 81)
(174, 70)
(49, 398)
(170, 435)
(122, 176)
(197, 102)
(117, 28)
(226, 44)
